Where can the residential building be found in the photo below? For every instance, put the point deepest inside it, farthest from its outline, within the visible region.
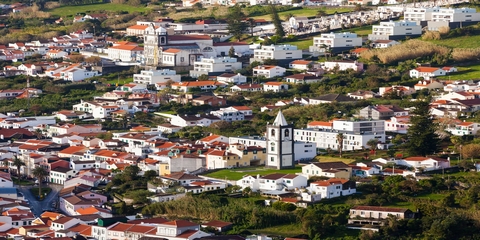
(193, 120)
(460, 86)
(344, 40)
(277, 52)
(464, 128)
(268, 71)
(382, 112)
(395, 30)
(377, 216)
(424, 163)
(396, 89)
(275, 86)
(60, 174)
(247, 88)
(330, 98)
(427, 73)
(327, 169)
(230, 78)
(303, 65)
(202, 85)
(428, 84)
(125, 53)
(215, 66)
(365, 170)
(362, 94)
(302, 78)
(332, 188)
(228, 115)
(273, 182)
(384, 43)
(398, 124)
(343, 65)
(356, 134)
(150, 77)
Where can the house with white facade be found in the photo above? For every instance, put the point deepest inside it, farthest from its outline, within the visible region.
(277, 52)
(460, 86)
(247, 88)
(228, 115)
(428, 84)
(327, 169)
(427, 72)
(228, 78)
(424, 163)
(125, 53)
(395, 30)
(384, 43)
(275, 86)
(304, 65)
(398, 124)
(343, 65)
(149, 77)
(302, 78)
(356, 134)
(215, 66)
(344, 40)
(192, 120)
(464, 128)
(202, 85)
(268, 71)
(332, 188)
(59, 175)
(273, 182)
(396, 89)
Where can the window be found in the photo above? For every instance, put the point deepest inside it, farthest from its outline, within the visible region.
(287, 133)
(271, 159)
(272, 133)
(182, 59)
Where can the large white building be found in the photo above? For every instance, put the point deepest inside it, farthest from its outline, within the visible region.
(356, 134)
(337, 40)
(395, 30)
(280, 144)
(277, 52)
(215, 65)
(438, 14)
(157, 76)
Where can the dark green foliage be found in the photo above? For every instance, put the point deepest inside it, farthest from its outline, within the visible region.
(236, 25)
(422, 137)
(277, 22)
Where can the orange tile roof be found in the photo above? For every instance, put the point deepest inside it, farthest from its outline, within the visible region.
(138, 27)
(128, 48)
(264, 67)
(172, 50)
(51, 215)
(73, 149)
(210, 138)
(302, 62)
(427, 69)
(320, 123)
(330, 181)
(274, 83)
(242, 108)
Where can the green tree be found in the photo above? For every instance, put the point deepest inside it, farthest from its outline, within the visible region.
(231, 52)
(40, 173)
(150, 175)
(422, 137)
(130, 173)
(18, 164)
(471, 151)
(340, 138)
(372, 144)
(235, 20)
(277, 22)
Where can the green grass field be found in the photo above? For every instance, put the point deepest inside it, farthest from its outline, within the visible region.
(471, 72)
(289, 230)
(301, 44)
(460, 42)
(73, 10)
(361, 31)
(408, 205)
(305, 12)
(238, 173)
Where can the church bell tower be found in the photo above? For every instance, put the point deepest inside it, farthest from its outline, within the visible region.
(280, 144)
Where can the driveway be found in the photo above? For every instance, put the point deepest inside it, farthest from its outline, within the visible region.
(38, 207)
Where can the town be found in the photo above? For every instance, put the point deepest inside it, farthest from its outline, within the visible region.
(195, 119)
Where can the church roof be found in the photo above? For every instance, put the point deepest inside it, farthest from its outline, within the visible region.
(280, 120)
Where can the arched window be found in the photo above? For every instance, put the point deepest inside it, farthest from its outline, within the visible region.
(208, 49)
(162, 40)
(272, 133)
(287, 133)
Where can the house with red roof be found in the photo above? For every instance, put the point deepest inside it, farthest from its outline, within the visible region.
(396, 89)
(125, 53)
(460, 95)
(273, 182)
(398, 124)
(268, 71)
(331, 188)
(427, 72)
(428, 84)
(275, 86)
(303, 65)
(464, 128)
(247, 88)
(424, 163)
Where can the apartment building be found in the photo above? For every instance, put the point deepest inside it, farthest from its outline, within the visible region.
(157, 76)
(356, 134)
(395, 30)
(277, 52)
(338, 40)
(215, 66)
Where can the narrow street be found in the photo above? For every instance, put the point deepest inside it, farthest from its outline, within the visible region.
(38, 207)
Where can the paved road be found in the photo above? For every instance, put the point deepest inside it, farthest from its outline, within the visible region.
(36, 206)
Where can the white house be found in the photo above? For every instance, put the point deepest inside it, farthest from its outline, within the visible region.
(202, 85)
(272, 182)
(394, 30)
(343, 65)
(277, 52)
(228, 115)
(460, 86)
(398, 124)
(268, 71)
(275, 86)
(337, 40)
(232, 78)
(125, 53)
(156, 76)
(302, 78)
(427, 72)
(428, 84)
(304, 65)
(424, 163)
(464, 128)
(332, 188)
(384, 43)
(215, 65)
(59, 175)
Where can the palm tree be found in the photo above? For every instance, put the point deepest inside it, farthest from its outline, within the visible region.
(40, 173)
(340, 143)
(18, 164)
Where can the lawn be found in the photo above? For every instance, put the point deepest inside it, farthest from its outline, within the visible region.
(361, 31)
(325, 158)
(74, 10)
(472, 41)
(289, 230)
(305, 12)
(238, 173)
(301, 44)
(120, 81)
(471, 72)
(45, 191)
(21, 181)
(408, 205)
(432, 196)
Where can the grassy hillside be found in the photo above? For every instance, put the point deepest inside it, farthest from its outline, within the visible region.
(113, 7)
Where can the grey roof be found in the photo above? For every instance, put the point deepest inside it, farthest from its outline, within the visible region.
(331, 165)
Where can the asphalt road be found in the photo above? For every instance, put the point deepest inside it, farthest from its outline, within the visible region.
(38, 207)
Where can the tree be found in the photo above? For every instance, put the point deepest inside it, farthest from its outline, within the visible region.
(197, 6)
(340, 143)
(422, 137)
(466, 166)
(231, 52)
(77, 58)
(251, 25)
(236, 25)
(322, 12)
(372, 144)
(37, 108)
(18, 164)
(471, 151)
(150, 174)
(130, 173)
(40, 173)
(203, 77)
(279, 31)
(93, 60)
